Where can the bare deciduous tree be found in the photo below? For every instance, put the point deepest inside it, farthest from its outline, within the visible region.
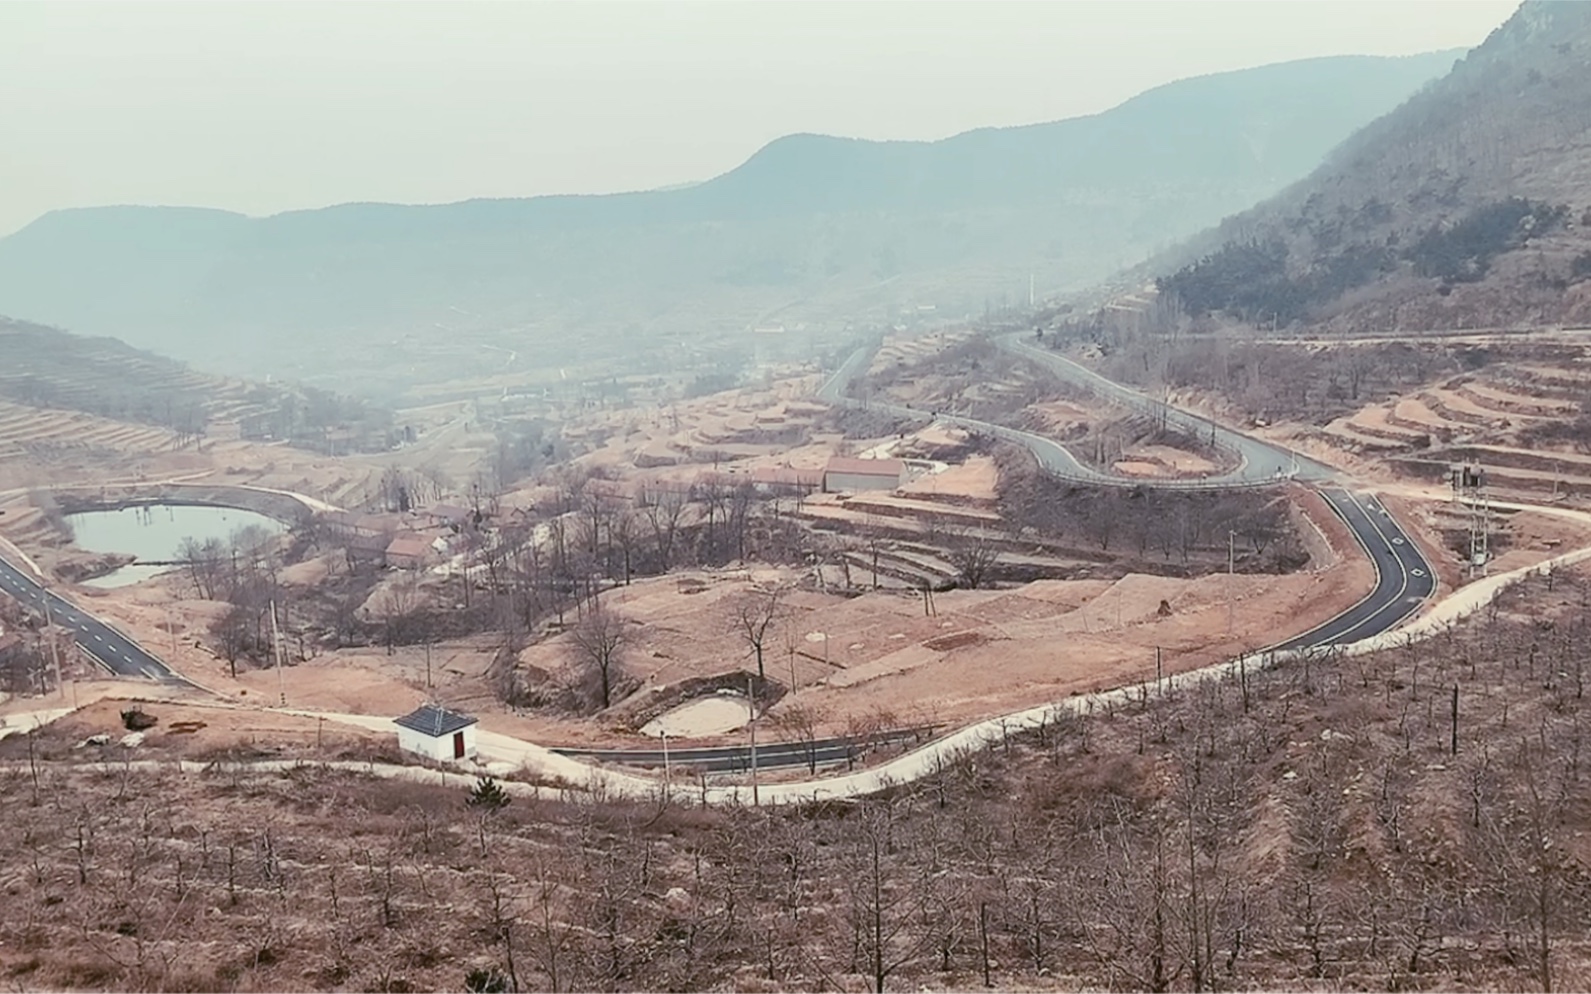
(974, 556)
(600, 639)
(802, 720)
(663, 507)
(754, 615)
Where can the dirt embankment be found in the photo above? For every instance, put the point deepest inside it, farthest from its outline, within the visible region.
(194, 730)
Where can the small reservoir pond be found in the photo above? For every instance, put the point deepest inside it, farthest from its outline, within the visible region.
(154, 532)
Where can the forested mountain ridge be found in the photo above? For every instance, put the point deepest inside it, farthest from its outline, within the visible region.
(1467, 206)
(810, 228)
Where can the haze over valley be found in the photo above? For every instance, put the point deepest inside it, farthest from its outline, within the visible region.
(814, 235)
(1145, 549)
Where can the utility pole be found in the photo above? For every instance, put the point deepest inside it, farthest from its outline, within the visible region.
(666, 778)
(55, 646)
(1231, 577)
(751, 702)
(1469, 486)
(428, 662)
(276, 641)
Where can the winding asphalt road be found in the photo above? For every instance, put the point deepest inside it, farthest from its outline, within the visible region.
(1262, 462)
(1403, 581)
(102, 643)
(1403, 577)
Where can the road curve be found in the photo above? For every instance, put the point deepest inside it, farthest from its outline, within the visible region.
(1262, 461)
(1053, 456)
(1404, 579)
(98, 640)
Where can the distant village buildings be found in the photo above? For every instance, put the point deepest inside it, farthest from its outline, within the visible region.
(785, 480)
(843, 475)
(408, 540)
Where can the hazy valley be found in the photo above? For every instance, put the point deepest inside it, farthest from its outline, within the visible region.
(747, 586)
(812, 235)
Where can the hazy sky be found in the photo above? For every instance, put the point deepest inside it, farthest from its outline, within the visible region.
(261, 107)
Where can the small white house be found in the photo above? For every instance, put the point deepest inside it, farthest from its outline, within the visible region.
(437, 733)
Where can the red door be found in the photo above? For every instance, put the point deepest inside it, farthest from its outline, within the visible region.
(458, 745)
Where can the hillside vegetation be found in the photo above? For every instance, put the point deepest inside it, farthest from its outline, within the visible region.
(810, 229)
(1467, 206)
(1330, 824)
(54, 370)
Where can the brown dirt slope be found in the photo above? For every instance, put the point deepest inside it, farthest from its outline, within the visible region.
(1320, 826)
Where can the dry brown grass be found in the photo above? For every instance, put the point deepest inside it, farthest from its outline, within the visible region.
(199, 732)
(1304, 826)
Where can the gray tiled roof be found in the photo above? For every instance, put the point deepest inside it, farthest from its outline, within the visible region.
(435, 721)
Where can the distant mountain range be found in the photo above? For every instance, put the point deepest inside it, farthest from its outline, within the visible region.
(811, 229)
(1468, 206)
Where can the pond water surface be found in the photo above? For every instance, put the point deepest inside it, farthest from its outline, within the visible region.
(155, 532)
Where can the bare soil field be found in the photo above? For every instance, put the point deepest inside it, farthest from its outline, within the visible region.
(840, 658)
(973, 480)
(204, 732)
(848, 660)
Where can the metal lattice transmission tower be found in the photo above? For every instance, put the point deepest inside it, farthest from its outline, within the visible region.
(1469, 487)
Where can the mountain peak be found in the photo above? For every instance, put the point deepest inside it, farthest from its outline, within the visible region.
(1419, 218)
(816, 227)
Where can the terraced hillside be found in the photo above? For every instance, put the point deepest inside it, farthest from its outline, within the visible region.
(50, 370)
(1521, 419)
(30, 431)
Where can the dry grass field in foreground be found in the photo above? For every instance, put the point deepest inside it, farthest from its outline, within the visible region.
(1326, 825)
